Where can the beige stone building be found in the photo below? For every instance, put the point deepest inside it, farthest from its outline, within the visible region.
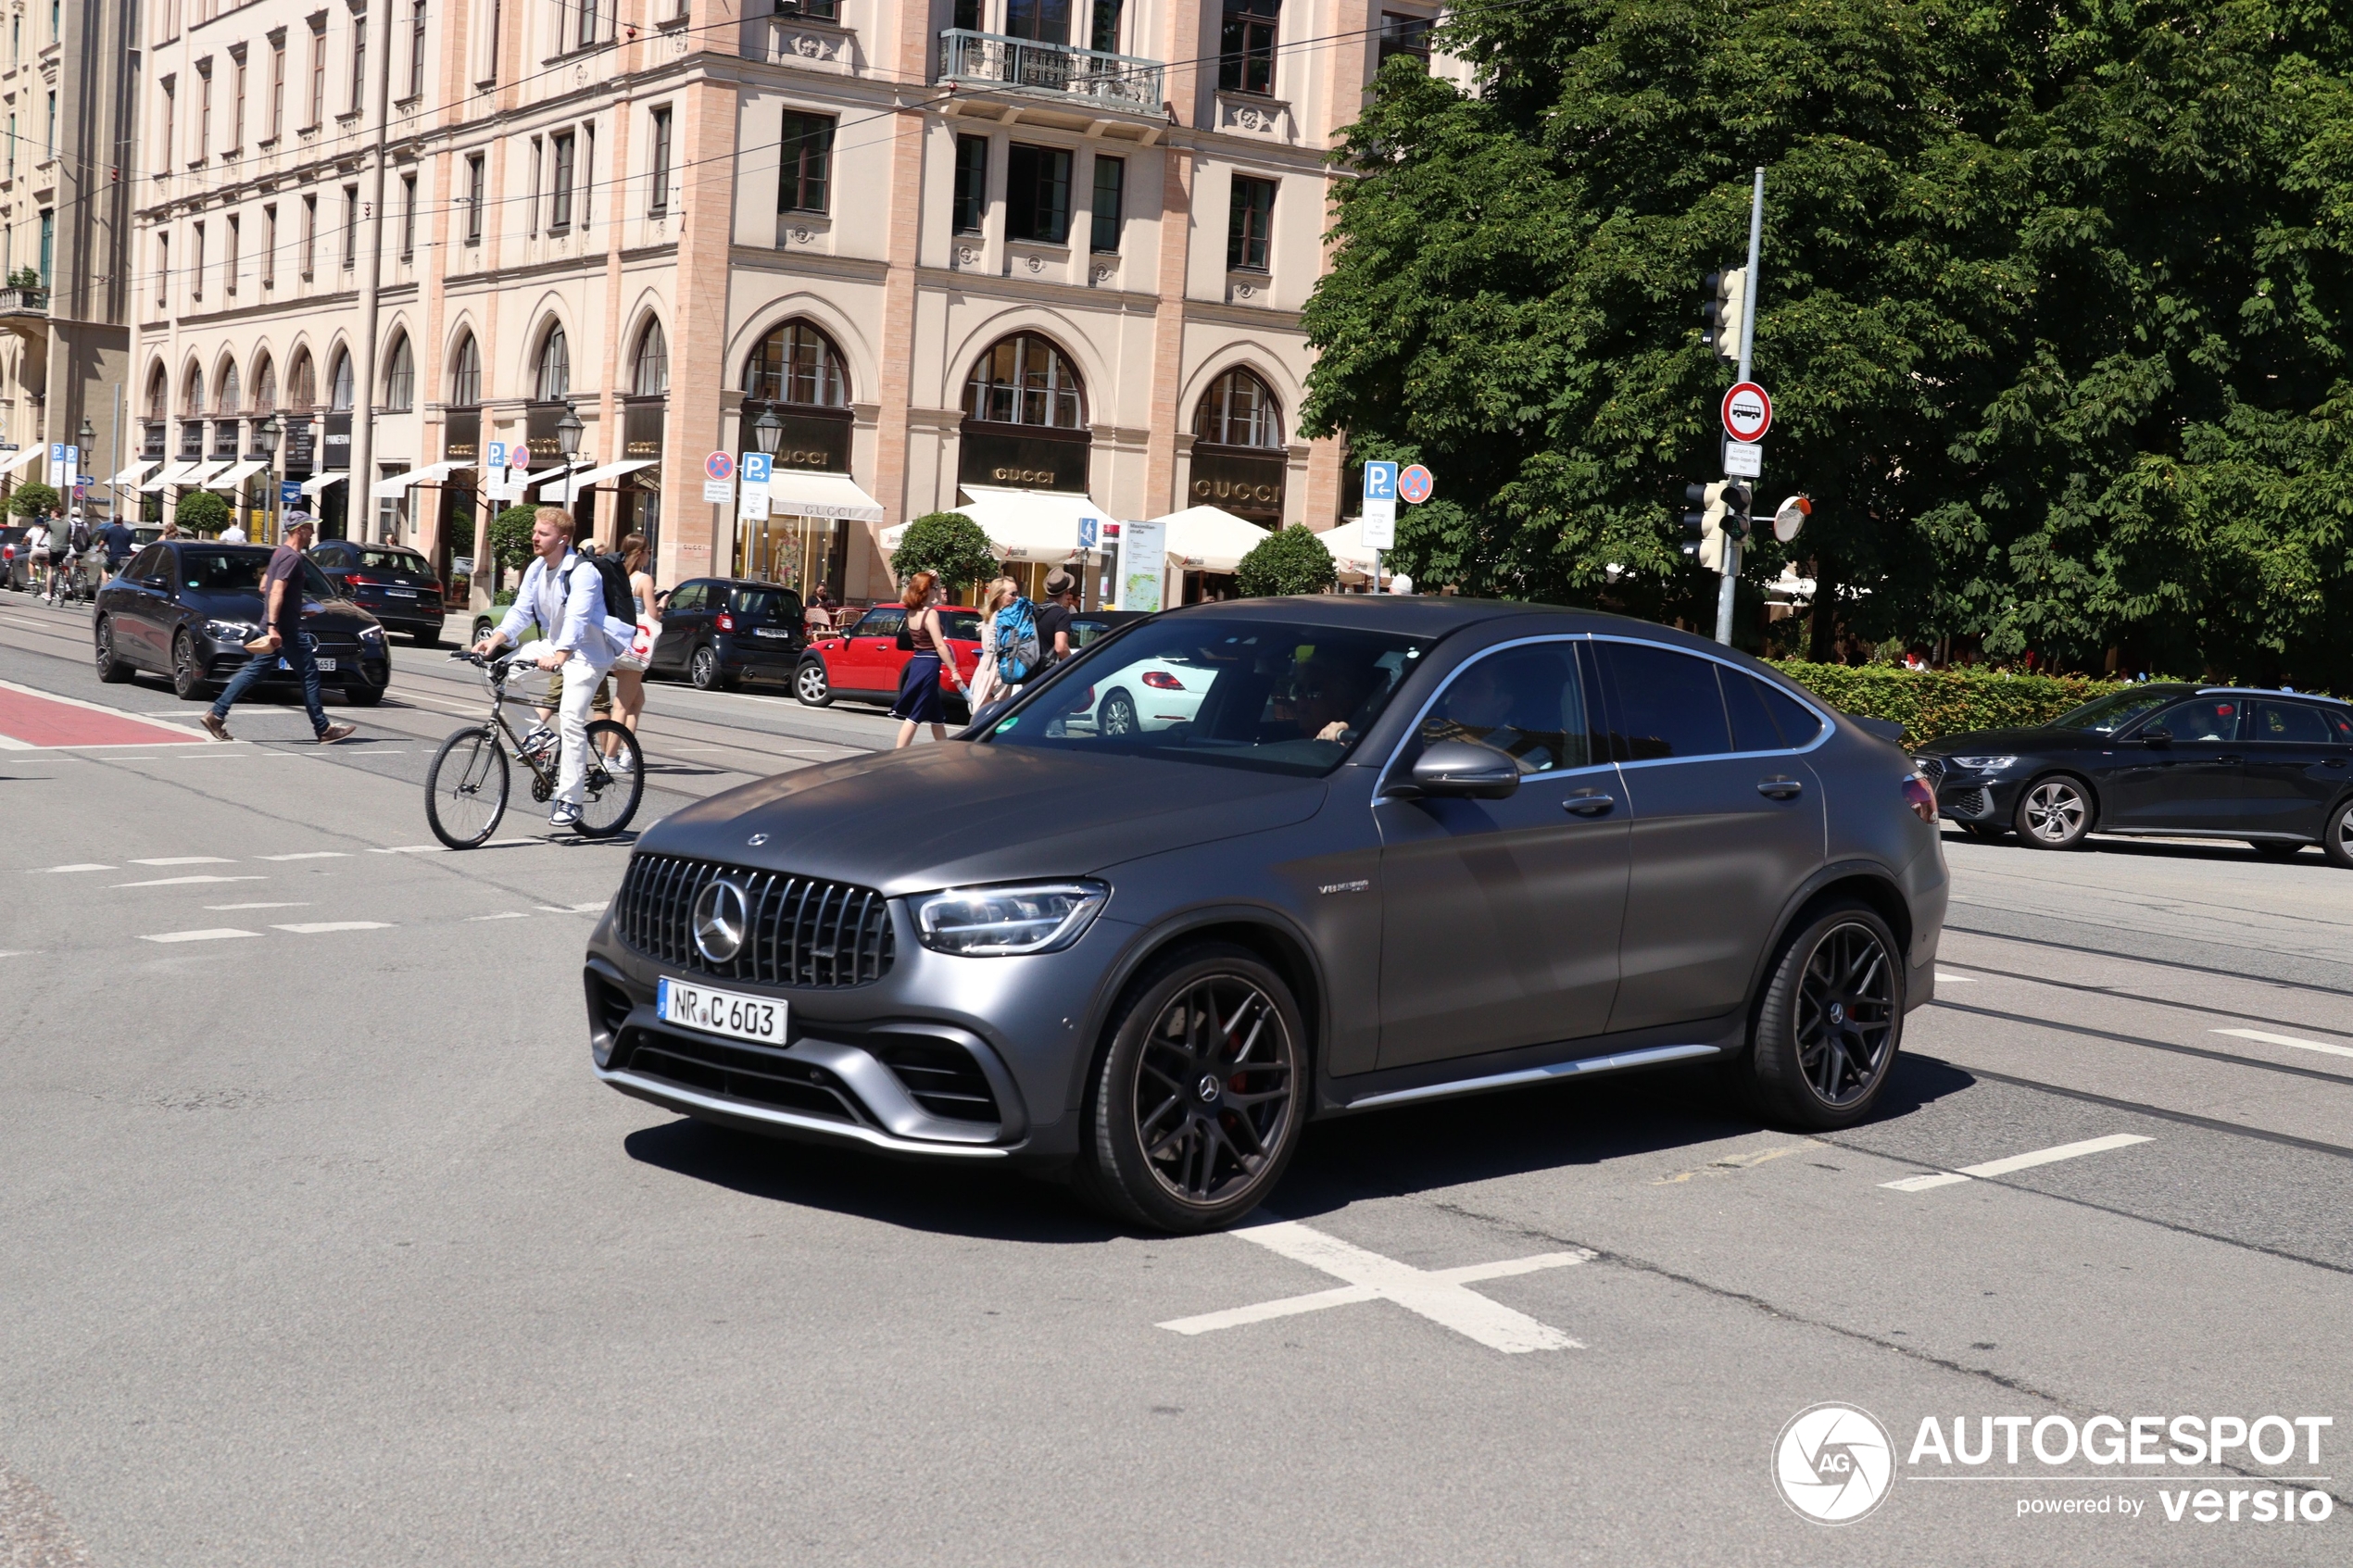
(1048, 246)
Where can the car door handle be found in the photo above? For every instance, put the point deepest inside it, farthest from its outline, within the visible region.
(1779, 789)
(1590, 803)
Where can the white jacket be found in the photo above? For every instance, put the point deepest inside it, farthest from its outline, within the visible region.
(585, 628)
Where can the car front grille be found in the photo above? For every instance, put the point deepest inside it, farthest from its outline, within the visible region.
(802, 931)
(1932, 768)
(942, 1078)
(1968, 803)
(742, 1072)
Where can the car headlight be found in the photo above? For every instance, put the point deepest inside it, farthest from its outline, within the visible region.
(991, 922)
(232, 631)
(1983, 764)
(371, 633)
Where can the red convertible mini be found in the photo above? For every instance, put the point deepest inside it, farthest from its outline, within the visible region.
(864, 661)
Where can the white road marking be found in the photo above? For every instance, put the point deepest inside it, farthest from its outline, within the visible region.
(1443, 1296)
(503, 914)
(185, 861)
(183, 881)
(302, 904)
(85, 866)
(215, 934)
(2287, 1040)
(2018, 1162)
(320, 927)
(596, 908)
(413, 850)
(311, 855)
(1945, 979)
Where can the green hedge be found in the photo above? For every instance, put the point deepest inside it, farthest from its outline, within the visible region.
(1930, 703)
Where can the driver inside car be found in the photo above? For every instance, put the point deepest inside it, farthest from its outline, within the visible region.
(1483, 708)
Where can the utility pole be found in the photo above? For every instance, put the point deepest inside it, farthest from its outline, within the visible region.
(1727, 592)
(362, 479)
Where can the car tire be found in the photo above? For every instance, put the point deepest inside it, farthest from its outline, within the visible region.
(428, 639)
(2336, 838)
(362, 693)
(1115, 715)
(702, 669)
(483, 626)
(1831, 1023)
(187, 674)
(111, 669)
(811, 685)
(1155, 1151)
(2054, 812)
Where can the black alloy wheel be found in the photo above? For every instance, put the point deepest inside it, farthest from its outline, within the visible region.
(111, 669)
(187, 669)
(2336, 839)
(811, 685)
(702, 668)
(2054, 812)
(1116, 714)
(1830, 1023)
(1196, 1105)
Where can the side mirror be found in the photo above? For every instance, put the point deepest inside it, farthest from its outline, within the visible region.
(2157, 737)
(1460, 770)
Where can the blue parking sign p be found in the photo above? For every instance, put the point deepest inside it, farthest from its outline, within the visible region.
(1380, 482)
(757, 467)
(498, 455)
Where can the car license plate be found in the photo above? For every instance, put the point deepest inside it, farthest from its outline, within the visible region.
(771, 632)
(327, 665)
(402, 593)
(721, 1012)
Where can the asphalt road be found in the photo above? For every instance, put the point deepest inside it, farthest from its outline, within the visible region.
(322, 1247)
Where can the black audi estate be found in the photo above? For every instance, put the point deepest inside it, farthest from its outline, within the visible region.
(1401, 848)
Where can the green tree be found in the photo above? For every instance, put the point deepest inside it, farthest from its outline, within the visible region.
(511, 537)
(201, 511)
(32, 499)
(949, 543)
(1289, 560)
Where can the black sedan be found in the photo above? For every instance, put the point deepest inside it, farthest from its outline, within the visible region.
(185, 608)
(396, 585)
(2271, 768)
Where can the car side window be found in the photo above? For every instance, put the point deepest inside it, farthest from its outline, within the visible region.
(1799, 724)
(2208, 719)
(2341, 724)
(1668, 704)
(1526, 702)
(687, 600)
(150, 564)
(1753, 725)
(2290, 723)
(880, 622)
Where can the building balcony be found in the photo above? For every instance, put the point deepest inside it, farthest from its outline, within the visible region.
(24, 302)
(989, 59)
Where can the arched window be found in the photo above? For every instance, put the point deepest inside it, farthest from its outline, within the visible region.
(228, 402)
(302, 387)
(1026, 381)
(265, 386)
(158, 394)
(651, 375)
(339, 383)
(465, 374)
(1239, 411)
(400, 377)
(554, 366)
(191, 393)
(796, 364)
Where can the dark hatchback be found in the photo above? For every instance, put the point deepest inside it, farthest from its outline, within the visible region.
(1406, 849)
(2164, 760)
(186, 607)
(718, 632)
(396, 585)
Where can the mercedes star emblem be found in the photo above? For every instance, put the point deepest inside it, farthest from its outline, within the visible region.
(719, 921)
(756, 840)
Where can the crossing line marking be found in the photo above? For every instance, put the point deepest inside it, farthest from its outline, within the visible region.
(1945, 979)
(2270, 1039)
(59, 871)
(503, 914)
(2017, 1162)
(1444, 1295)
(303, 904)
(596, 908)
(183, 881)
(185, 860)
(318, 928)
(411, 850)
(311, 855)
(215, 934)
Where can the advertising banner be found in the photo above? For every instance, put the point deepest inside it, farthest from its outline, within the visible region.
(1143, 557)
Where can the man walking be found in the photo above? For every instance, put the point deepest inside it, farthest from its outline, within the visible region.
(564, 595)
(281, 635)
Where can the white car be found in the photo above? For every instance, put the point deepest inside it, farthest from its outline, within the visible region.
(1150, 694)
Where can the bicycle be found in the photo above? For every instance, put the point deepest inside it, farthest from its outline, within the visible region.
(466, 786)
(67, 583)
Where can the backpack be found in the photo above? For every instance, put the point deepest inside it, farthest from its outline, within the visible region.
(619, 605)
(1016, 627)
(80, 535)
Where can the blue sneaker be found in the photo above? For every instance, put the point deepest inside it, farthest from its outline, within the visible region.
(565, 815)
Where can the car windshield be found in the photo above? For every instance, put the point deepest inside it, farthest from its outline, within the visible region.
(392, 561)
(1239, 694)
(233, 571)
(767, 604)
(2108, 714)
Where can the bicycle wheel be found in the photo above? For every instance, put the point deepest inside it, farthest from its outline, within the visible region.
(616, 779)
(466, 789)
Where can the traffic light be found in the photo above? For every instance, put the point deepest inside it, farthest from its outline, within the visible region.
(1737, 500)
(1705, 527)
(1727, 300)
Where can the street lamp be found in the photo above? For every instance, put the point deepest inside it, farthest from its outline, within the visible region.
(568, 431)
(768, 432)
(265, 441)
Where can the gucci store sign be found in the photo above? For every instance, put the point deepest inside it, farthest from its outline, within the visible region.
(990, 454)
(1244, 482)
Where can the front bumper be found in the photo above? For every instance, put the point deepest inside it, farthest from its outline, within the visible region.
(223, 660)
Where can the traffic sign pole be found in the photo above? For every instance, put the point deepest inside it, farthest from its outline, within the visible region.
(1727, 593)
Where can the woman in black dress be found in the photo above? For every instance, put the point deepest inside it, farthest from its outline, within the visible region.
(919, 699)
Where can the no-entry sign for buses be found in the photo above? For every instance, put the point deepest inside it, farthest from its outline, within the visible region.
(1748, 413)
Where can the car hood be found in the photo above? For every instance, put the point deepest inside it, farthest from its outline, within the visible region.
(1999, 742)
(341, 615)
(948, 814)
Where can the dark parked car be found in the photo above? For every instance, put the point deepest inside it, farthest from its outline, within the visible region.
(15, 566)
(864, 661)
(185, 608)
(1404, 849)
(396, 585)
(2274, 769)
(718, 632)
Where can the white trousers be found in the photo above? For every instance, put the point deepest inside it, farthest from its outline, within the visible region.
(582, 677)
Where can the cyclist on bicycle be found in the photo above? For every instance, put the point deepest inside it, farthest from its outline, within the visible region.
(67, 562)
(564, 597)
(36, 554)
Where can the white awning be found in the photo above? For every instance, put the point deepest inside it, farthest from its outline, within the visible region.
(168, 474)
(15, 460)
(393, 486)
(1210, 538)
(572, 484)
(317, 482)
(1025, 526)
(798, 493)
(234, 475)
(1350, 552)
(131, 475)
(196, 475)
